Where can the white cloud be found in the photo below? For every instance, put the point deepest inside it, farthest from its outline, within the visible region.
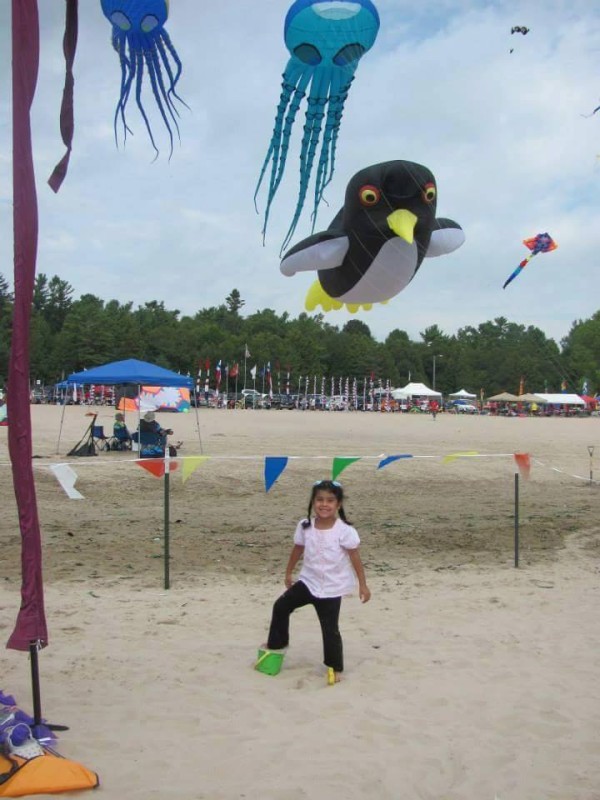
(503, 133)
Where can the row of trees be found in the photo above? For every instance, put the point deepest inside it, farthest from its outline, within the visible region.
(70, 334)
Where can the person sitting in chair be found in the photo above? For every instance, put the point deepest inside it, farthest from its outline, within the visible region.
(148, 424)
(121, 433)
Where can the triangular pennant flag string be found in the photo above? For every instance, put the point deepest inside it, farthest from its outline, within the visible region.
(67, 476)
(453, 456)
(523, 461)
(390, 460)
(190, 465)
(274, 466)
(340, 463)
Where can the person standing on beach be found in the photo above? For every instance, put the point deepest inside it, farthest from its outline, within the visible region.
(328, 546)
(434, 407)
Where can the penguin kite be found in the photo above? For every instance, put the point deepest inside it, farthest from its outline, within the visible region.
(377, 241)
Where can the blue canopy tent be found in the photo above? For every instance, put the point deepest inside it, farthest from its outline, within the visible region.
(132, 372)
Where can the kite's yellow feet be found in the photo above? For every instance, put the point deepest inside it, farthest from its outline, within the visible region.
(317, 296)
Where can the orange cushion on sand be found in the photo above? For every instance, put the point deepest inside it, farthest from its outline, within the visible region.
(47, 774)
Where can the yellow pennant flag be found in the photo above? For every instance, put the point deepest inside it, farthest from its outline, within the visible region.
(453, 456)
(190, 465)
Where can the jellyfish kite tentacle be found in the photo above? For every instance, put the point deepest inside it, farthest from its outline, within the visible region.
(312, 131)
(139, 74)
(294, 106)
(335, 108)
(293, 89)
(160, 95)
(127, 76)
(164, 43)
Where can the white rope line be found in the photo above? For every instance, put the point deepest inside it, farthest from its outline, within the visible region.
(563, 472)
(92, 462)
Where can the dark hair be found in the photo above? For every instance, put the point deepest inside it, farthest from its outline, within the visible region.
(327, 486)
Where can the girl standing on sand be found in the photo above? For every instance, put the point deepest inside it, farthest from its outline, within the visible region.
(328, 545)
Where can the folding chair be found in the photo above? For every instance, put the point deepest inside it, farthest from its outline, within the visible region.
(99, 438)
(151, 445)
(120, 440)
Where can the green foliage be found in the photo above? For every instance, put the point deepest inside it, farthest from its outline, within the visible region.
(69, 335)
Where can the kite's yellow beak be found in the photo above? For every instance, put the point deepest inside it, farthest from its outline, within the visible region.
(403, 222)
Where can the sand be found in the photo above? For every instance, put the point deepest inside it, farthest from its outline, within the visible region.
(466, 679)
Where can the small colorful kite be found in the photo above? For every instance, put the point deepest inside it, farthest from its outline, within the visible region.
(326, 40)
(542, 243)
(141, 41)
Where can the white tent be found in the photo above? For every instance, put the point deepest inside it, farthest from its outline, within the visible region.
(418, 390)
(462, 393)
(559, 399)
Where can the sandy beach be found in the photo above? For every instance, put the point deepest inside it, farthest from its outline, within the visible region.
(466, 679)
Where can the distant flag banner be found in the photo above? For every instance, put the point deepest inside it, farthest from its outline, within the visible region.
(218, 376)
(247, 353)
(207, 366)
(390, 459)
(253, 372)
(234, 371)
(274, 467)
(156, 466)
(67, 477)
(269, 380)
(523, 461)
(451, 457)
(190, 465)
(563, 386)
(340, 463)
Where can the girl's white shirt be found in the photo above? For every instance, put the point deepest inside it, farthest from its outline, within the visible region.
(326, 567)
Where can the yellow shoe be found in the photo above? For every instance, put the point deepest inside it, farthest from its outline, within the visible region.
(330, 676)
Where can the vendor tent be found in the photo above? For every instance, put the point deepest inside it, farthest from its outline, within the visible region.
(462, 393)
(560, 399)
(504, 397)
(532, 398)
(419, 390)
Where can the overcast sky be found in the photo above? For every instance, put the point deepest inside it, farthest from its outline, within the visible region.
(504, 134)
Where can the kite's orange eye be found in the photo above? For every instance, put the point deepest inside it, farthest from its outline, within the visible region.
(369, 195)
(429, 193)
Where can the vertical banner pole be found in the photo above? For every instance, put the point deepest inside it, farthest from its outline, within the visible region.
(516, 519)
(167, 539)
(591, 452)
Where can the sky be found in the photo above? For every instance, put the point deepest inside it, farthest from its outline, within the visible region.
(505, 135)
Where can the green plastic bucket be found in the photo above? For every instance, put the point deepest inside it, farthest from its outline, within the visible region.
(269, 661)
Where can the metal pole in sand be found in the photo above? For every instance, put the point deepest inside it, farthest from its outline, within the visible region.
(591, 452)
(166, 495)
(516, 519)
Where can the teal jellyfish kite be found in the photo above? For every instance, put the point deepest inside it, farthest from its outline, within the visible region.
(140, 39)
(326, 40)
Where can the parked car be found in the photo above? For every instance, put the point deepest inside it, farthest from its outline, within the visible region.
(465, 408)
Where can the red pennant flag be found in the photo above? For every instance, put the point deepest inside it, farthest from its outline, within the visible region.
(523, 461)
(156, 466)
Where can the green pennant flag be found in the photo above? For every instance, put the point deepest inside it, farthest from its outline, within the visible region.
(340, 463)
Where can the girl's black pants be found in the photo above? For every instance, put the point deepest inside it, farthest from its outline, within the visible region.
(328, 612)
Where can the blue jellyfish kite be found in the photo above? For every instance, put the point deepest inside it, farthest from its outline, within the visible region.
(140, 39)
(326, 40)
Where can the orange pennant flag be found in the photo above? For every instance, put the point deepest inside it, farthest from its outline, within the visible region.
(523, 461)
